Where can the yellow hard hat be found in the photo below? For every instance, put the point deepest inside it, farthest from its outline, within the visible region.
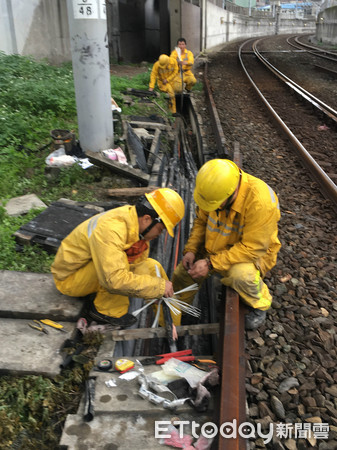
(168, 205)
(163, 61)
(215, 182)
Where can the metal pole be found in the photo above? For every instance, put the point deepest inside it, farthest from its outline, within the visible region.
(278, 17)
(90, 58)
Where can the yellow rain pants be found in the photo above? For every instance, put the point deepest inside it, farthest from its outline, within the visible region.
(171, 89)
(244, 278)
(85, 282)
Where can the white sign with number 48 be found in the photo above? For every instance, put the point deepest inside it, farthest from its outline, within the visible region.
(87, 9)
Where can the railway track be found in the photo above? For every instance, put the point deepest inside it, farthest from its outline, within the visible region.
(295, 42)
(243, 124)
(277, 91)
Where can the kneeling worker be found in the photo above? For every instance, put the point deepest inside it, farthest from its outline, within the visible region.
(234, 235)
(108, 255)
(166, 73)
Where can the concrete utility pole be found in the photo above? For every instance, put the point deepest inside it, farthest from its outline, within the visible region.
(90, 57)
(278, 17)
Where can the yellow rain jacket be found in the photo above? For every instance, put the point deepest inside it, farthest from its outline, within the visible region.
(169, 73)
(104, 239)
(188, 77)
(248, 234)
(187, 57)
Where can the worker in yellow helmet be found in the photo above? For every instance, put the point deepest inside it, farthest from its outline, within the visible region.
(166, 73)
(108, 255)
(234, 235)
(185, 60)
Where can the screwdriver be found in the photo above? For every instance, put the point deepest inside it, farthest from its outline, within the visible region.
(53, 324)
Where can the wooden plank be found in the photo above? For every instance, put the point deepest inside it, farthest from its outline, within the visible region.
(237, 157)
(136, 148)
(154, 149)
(130, 192)
(122, 169)
(23, 237)
(150, 333)
(151, 125)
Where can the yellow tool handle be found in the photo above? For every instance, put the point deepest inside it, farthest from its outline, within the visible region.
(52, 323)
(38, 327)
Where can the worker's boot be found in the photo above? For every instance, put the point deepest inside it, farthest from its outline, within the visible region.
(254, 318)
(119, 322)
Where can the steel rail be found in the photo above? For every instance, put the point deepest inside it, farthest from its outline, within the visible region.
(321, 53)
(215, 120)
(316, 102)
(232, 362)
(326, 185)
(326, 70)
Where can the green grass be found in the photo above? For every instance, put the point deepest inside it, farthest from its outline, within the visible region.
(36, 98)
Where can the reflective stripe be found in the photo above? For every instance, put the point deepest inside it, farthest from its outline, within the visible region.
(236, 228)
(273, 196)
(93, 223)
(263, 302)
(257, 283)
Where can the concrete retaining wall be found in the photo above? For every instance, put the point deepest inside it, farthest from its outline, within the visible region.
(36, 27)
(326, 29)
(224, 26)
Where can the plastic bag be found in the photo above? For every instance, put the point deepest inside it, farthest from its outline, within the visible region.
(181, 369)
(59, 158)
(115, 154)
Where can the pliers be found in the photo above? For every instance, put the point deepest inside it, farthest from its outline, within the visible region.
(38, 327)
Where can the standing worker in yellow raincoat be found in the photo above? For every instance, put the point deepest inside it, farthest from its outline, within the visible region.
(166, 73)
(185, 61)
(234, 235)
(108, 255)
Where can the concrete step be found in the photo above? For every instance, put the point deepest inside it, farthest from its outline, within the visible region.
(24, 297)
(34, 295)
(121, 418)
(127, 429)
(25, 350)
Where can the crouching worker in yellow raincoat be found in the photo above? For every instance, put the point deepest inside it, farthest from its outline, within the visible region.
(108, 255)
(166, 73)
(234, 235)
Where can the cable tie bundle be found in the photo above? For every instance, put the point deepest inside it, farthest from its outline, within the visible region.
(138, 311)
(192, 287)
(156, 319)
(175, 305)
